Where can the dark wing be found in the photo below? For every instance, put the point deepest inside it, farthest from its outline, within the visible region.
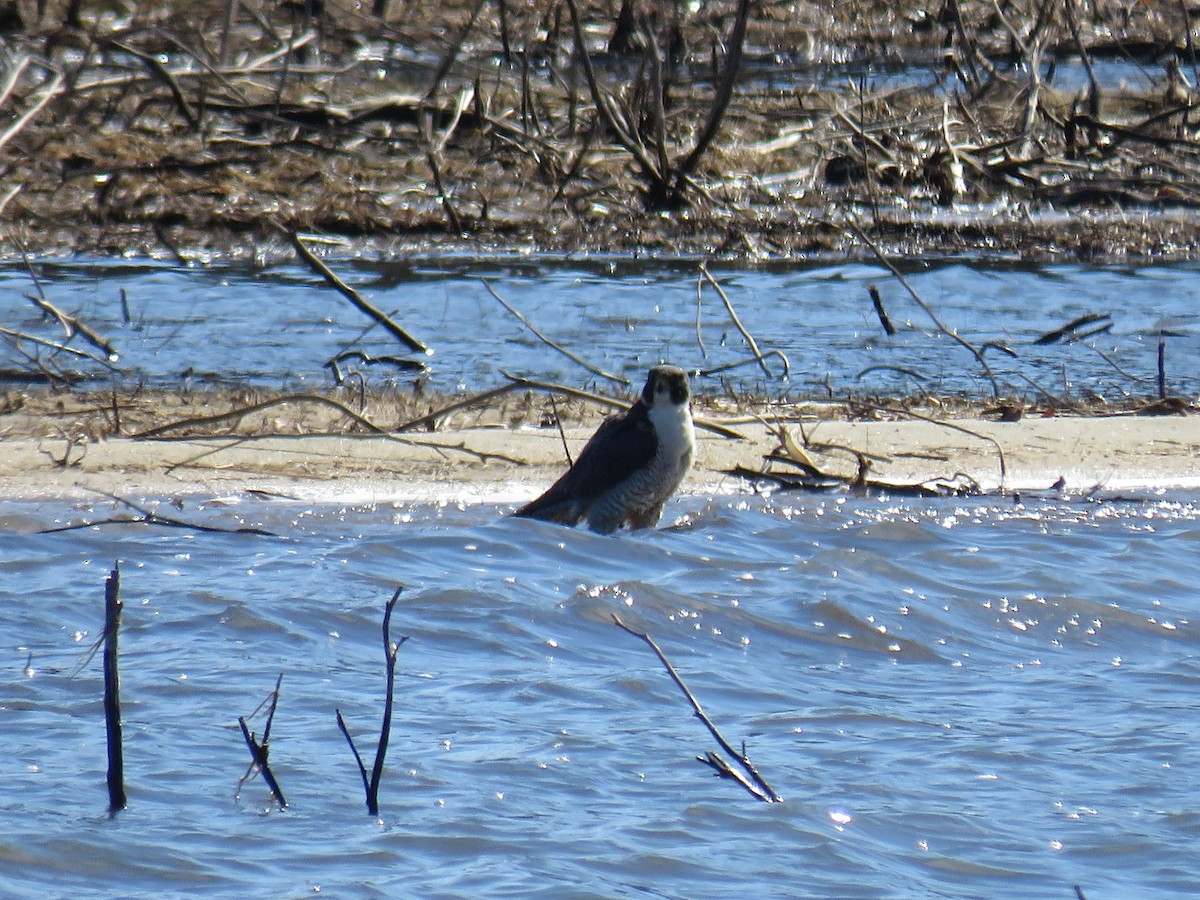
(621, 445)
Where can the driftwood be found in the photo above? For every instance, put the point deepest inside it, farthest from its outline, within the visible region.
(888, 328)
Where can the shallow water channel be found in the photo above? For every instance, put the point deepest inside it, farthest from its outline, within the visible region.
(980, 698)
(279, 326)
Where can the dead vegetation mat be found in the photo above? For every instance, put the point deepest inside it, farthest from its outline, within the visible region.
(742, 128)
(81, 417)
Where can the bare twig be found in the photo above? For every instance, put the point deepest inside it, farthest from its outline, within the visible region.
(1070, 331)
(54, 345)
(161, 72)
(38, 105)
(752, 781)
(545, 340)
(896, 411)
(72, 326)
(612, 402)
(758, 360)
(259, 750)
(147, 517)
(729, 75)
(562, 434)
(737, 323)
(242, 411)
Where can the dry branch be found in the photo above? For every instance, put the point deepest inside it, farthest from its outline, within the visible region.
(1070, 331)
(737, 323)
(242, 411)
(612, 402)
(72, 326)
(750, 779)
(949, 332)
(953, 427)
(147, 517)
(317, 265)
(545, 340)
(38, 105)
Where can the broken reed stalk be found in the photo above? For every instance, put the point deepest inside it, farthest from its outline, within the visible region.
(545, 340)
(112, 691)
(360, 302)
(737, 323)
(371, 784)
(751, 780)
(259, 750)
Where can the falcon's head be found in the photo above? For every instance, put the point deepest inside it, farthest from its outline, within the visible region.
(666, 384)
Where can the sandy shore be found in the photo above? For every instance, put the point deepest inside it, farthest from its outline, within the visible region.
(506, 465)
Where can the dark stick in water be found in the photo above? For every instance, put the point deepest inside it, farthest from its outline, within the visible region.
(371, 785)
(877, 301)
(112, 691)
(1162, 366)
(259, 750)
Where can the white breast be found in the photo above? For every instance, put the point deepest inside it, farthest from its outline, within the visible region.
(676, 437)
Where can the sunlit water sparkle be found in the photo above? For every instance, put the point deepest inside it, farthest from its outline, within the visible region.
(955, 698)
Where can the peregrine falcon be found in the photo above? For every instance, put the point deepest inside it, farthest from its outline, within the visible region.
(631, 466)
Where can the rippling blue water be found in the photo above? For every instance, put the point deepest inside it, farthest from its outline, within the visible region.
(279, 325)
(956, 699)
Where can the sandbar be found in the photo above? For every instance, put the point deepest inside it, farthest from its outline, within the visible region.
(506, 465)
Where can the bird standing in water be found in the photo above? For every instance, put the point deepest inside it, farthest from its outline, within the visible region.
(631, 466)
